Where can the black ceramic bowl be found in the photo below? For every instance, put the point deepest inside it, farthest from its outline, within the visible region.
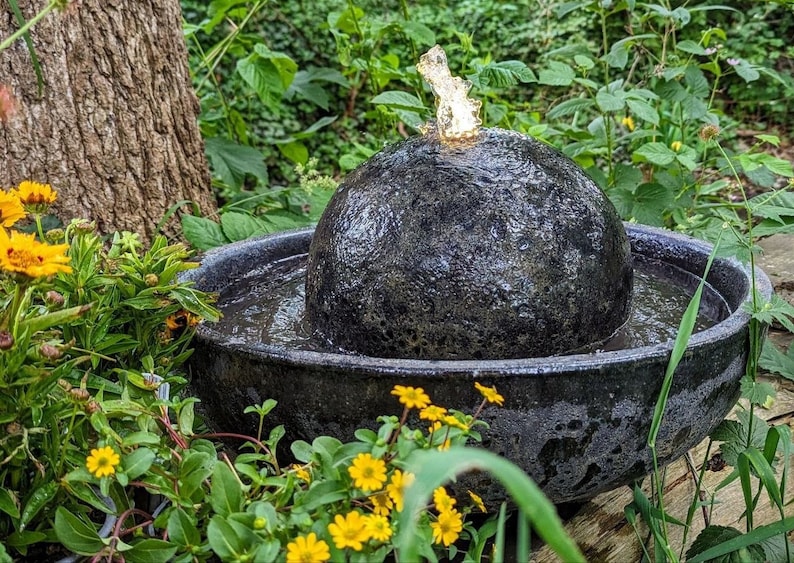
(577, 424)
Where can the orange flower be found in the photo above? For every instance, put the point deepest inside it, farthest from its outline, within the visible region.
(35, 197)
(21, 253)
(11, 209)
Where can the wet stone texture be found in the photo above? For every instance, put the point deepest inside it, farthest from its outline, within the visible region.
(499, 248)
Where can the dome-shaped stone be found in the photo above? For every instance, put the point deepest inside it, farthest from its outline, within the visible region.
(501, 247)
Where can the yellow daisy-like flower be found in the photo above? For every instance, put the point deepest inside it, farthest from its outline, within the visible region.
(628, 121)
(411, 397)
(432, 413)
(453, 422)
(477, 500)
(676, 145)
(378, 527)
(397, 485)
(308, 549)
(35, 197)
(349, 531)
(11, 209)
(490, 394)
(368, 473)
(21, 253)
(435, 426)
(442, 501)
(102, 461)
(447, 527)
(301, 472)
(381, 503)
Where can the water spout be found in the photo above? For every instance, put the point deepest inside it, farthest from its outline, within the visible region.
(457, 115)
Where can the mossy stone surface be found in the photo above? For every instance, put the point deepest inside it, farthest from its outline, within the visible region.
(499, 248)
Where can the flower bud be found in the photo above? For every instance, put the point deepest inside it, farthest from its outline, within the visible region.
(13, 428)
(80, 394)
(92, 406)
(50, 352)
(260, 523)
(54, 235)
(53, 298)
(6, 340)
(65, 385)
(83, 226)
(151, 280)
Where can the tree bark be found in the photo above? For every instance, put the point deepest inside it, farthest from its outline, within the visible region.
(114, 130)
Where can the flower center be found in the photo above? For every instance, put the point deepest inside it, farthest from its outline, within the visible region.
(24, 258)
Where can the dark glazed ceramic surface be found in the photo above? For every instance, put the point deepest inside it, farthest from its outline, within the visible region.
(577, 424)
(502, 248)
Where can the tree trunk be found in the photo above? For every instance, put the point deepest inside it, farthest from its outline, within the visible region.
(114, 130)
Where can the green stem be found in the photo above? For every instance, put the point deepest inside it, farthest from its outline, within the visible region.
(30, 23)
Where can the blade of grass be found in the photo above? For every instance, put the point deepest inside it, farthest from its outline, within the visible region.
(522, 537)
(434, 468)
(756, 536)
(499, 541)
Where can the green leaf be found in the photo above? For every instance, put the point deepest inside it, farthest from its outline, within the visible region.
(689, 46)
(223, 539)
(397, 98)
(76, 535)
(557, 74)
(295, 151)
(138, 462)
(505, 73)
(8, 503)
(55, 318)
(231, 161)
(609, 102)
(322, 493)
(643, 110)
(656, 153)
(37, 500)
(150, 550)
(240, 226)
(570, 107)
(182, 530)
(226, 494)
(774, 360)
(757, 392)
(746, 71)
(704, 548)
(418, 32)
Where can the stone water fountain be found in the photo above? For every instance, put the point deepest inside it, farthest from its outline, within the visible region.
(469, 255)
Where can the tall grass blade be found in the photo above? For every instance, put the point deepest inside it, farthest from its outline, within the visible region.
(434, 468)
(758, 535)
(522, 537)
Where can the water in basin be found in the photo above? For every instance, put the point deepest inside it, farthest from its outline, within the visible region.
(267, 306)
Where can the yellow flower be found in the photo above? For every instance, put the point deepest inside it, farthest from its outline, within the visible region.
(102, 461)
(411, 397)
(447, 527)
(368, 473)
(23, 254)
(435, 426)
(477, 500)
(307, 549)
(442, 501)
(453, 422)
(628, 121)
(35, 197)
(301, 472)
(676, 145)
(432, 413)
(349, 531)
(378, 527)
(490, 394)
(396, 488)
(11, 209)
(381, 504)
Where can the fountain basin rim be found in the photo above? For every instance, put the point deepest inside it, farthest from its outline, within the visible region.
(735, 323)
